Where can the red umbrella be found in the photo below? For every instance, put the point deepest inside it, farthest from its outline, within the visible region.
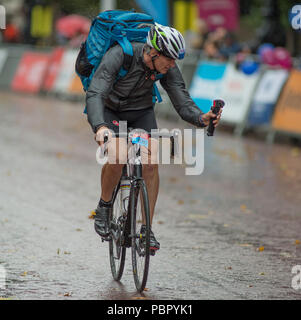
(71, 25)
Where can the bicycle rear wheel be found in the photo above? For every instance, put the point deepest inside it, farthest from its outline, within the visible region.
(117, 248)
(140, 214)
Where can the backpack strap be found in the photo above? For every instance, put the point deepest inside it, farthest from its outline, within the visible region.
(127, 62)
(156, 93)
(128, 55)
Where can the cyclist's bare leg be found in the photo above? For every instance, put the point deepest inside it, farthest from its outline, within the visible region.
(151, 178)
(151, 174)
(111, 171)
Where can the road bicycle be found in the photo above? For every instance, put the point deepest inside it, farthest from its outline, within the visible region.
(130, 209)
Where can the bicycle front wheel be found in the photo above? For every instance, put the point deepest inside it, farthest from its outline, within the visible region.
(140, 214)
(117, 248)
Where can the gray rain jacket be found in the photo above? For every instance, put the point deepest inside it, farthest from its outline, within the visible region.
(134, 91)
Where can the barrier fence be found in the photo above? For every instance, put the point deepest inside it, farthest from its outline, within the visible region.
(268, 100)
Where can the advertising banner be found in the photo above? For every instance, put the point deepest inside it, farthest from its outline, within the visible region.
(158, 9)
(54, 68)
(185, 15)
(266, 95)
(237, 90)
(206, 83)
(76, 87)
(287, 115)
(219, 13)
(30, 72)
(66, 73)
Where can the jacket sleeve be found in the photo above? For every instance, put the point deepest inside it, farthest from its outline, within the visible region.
(174, 85)
(101, 85)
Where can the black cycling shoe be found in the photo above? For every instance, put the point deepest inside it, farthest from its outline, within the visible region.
(154, 244)
(101, 221)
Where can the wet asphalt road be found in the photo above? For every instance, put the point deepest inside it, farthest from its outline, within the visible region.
(232, 232)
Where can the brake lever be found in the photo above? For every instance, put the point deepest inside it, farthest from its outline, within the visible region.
(217, 105)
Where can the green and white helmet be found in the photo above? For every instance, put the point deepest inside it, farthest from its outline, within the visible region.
(167, 41)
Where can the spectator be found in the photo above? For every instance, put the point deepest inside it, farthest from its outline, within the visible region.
(211, 50)
(229, 46)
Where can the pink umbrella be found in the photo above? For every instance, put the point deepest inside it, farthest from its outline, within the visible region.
(71, 25)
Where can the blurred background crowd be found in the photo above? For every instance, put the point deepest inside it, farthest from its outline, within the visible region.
(259, 27)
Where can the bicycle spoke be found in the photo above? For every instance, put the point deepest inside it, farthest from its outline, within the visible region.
(116, 248)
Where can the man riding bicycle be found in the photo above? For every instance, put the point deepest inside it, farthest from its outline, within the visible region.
(130, 99)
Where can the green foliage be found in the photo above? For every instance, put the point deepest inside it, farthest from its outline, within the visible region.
(254, 19)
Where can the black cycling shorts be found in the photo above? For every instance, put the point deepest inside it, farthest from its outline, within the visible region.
(140, 119)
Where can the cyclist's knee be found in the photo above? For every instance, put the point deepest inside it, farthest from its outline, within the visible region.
(117, 151)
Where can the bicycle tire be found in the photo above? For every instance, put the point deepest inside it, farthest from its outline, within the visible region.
(117, 249)
(140, 252)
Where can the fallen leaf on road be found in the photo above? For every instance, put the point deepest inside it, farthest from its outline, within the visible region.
(243, 207)
(67, 294)
(138, 298)
(260, 248)
(78, 229)
(59, 155)
(67, 252)
(180, 202)
(92, 214)
(24, 274)
(297, 242)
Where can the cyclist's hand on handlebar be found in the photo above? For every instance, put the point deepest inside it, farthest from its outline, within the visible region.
(207, 116)
(99, 136)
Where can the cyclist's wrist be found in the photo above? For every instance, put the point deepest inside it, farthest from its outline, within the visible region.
(100, 126)
(202, 124)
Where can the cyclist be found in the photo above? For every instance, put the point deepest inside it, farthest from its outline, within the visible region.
(130, 99)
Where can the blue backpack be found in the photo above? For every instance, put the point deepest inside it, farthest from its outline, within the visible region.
(107, 29)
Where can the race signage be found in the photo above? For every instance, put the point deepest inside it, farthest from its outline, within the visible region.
(206, 83)
(221, 13)
(287, 115)
(67, 72)
(266, 95)
(76, 86)
(236, 90)
(30, 72)
(53, 68)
